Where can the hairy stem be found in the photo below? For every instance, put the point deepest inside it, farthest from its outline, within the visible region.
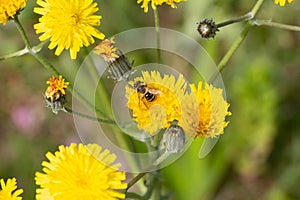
(157, 26)
(276, 25)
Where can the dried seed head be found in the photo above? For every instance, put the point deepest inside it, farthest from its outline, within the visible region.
(207, 28)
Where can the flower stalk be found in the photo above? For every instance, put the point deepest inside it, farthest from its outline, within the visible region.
(49, 66)
(245, 17)
(236, 44)
(276, 25)
(157, 27)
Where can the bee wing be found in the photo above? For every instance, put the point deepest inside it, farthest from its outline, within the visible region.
(207, 146)
(154, 91)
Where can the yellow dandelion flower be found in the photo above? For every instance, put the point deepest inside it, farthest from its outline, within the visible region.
(56, 88)
(205, 111)
(9, 8)
(80, 172)
(8, 191)
(69, 24)
(282, 2)
(107, 50)
(155, 3)
(164, 106)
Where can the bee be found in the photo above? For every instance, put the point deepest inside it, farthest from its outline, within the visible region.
(148, 93)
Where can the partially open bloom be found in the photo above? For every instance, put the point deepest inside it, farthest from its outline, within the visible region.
(159, 104)
(9, 190)
(55, 94)
(282, 2)
(69, 24)
(205, 111)
(107, 50)
(155, 3)
(80, 172)
(119, 67)
(9, 8)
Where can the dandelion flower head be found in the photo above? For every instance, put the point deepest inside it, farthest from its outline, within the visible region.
(56, 88)
(151, 116)
(107, 50)
(9, 8)
(155, 3)
(211, 109)
(69, 24)
(282, 2)
(9, 190)
(80, 172)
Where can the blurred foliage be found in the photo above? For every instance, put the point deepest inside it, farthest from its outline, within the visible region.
(258, 157)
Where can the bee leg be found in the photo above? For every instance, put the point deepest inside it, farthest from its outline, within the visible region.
(142, 99)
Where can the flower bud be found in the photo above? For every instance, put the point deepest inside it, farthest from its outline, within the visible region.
(207, 28)
(174, 139)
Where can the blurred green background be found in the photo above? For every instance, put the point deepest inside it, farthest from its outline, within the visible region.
(258, 157)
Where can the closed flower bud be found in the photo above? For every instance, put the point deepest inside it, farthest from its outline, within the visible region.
(174, 139)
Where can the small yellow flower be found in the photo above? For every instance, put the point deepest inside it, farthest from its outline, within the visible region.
(9, 8)
(69, 24)
(55, 94)
(155, 3)
(107, 50)
(56, 88)
(205, 111)
(8, 191)
(80, 172)
(165, 108)
(282, 2)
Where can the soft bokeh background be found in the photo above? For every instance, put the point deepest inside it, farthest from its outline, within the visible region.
(258, 157)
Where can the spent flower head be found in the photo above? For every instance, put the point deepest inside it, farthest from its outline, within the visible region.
(9, 8)
(119, 67)
(155, 3)
(208, 107)
(70, 24)
(207, 28)
(9, 191)
(80, 172)
(282, 2)
(107, 50)
(163, 104)
(55, 94)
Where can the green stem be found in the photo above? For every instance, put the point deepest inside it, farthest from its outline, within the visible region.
(15, 54)
(256, 7)
(237, 42)
(153, 184)
(234, 47)
(22, 33)
(245, 17)
(135, 179)
(50, 67)
(276, 25)
(70, 111)
(156, 20)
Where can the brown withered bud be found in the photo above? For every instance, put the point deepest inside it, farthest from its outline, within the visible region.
(207, 28)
